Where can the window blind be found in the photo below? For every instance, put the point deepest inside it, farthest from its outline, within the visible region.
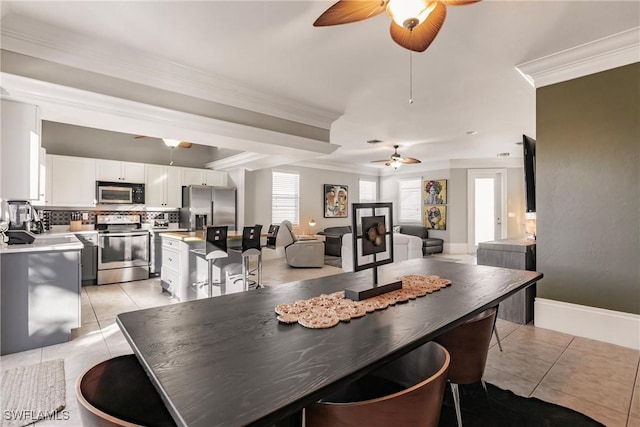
(368, 191)
(409, 194)
(285, 191)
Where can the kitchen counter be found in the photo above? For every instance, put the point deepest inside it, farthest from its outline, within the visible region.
(185, 236)
(199, 236)
(40, 293)
(45, 242)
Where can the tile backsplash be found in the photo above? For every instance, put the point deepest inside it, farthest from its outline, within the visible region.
(63, 217)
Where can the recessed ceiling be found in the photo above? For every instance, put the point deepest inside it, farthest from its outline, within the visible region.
(465, 80)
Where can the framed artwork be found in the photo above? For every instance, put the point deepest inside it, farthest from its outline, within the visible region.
(435, 217)
(373, 243)
(435, 192)
(336, 201)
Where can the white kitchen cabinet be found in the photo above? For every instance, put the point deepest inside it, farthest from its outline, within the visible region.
(193, 176)
(163, 187)
(117, 171)
(44, 191)
(73, 181)
(20, 174)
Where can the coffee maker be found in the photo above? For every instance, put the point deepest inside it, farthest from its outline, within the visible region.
(22, 216)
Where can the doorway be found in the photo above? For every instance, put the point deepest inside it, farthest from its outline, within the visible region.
(486, 201)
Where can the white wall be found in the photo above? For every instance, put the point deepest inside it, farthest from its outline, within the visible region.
(258, 195)
(456, 233)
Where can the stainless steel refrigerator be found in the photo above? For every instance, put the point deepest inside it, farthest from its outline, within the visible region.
(204, 205)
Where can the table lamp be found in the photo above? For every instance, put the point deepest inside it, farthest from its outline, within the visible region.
(312, 223)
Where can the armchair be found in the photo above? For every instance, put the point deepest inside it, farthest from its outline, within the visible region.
(300, 253)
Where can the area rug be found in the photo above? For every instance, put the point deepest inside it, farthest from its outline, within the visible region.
(503, 408)
(32, 392)
(333, 261)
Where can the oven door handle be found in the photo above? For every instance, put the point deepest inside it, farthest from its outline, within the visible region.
(134, 234)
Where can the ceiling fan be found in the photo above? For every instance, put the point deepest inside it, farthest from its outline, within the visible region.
(169, 142)
(415, 23)
(396, 160)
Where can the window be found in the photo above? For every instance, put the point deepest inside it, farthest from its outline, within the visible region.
(410, 200)
(285, 191)
(368, 191)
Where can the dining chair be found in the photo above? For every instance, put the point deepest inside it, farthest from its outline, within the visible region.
(216, 249)
(117, 392)
(250, 247)
(468, 345)
(407, 391)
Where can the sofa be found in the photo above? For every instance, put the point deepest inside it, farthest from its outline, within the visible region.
(333, 239)
(404, 247)
(430, 245)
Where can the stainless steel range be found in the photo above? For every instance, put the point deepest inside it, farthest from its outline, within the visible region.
(123, 249)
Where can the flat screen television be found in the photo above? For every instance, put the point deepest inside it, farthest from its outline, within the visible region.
(529, 147)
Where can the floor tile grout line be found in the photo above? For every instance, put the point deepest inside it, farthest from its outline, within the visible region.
(633, 390)
(552, 366)
(573, 395)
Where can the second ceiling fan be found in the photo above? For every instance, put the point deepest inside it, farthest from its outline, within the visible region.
(414, 23)
(396, 160)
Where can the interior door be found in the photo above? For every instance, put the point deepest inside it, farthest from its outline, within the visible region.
(486, 205)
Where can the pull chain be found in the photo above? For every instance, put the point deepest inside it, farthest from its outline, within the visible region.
(410, 77)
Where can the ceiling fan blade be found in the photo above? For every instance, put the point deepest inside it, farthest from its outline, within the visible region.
(379, 161)
(346, 11)
(422, 35)
(185, 144)
(409, 160)
(458, 2)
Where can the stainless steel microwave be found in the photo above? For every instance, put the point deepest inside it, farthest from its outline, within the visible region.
(121, 193)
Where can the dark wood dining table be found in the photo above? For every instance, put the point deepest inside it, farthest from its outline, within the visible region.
(227, 361)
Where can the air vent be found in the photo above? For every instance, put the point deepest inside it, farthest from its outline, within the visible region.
(503, 154)
(374, 141)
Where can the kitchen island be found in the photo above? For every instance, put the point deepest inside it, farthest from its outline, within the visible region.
(184, 267)
(227, 361)
(40, 292)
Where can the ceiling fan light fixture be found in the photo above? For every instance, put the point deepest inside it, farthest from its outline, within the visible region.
(395, 163)
(173, 143)
(409, 13)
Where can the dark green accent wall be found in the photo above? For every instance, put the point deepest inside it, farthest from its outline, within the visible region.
(588, 190)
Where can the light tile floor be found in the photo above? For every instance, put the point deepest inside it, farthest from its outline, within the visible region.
(598, 379)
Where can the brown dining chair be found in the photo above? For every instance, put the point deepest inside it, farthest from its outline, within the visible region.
(468, 345)
(405, 392)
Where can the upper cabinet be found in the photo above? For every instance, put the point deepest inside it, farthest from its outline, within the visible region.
(116, 171)
(192, 176)
(20, 175)
(162, 186)
(73, 181)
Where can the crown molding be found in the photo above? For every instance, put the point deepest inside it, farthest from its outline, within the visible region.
(44, 41)
(338, 167)
(599, 55)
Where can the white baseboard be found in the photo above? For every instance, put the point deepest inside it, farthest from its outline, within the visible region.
(610, 326)
(455, 248)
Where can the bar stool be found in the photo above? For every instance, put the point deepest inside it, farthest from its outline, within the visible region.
(251, 247)
(216, 249)
(272, 236)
